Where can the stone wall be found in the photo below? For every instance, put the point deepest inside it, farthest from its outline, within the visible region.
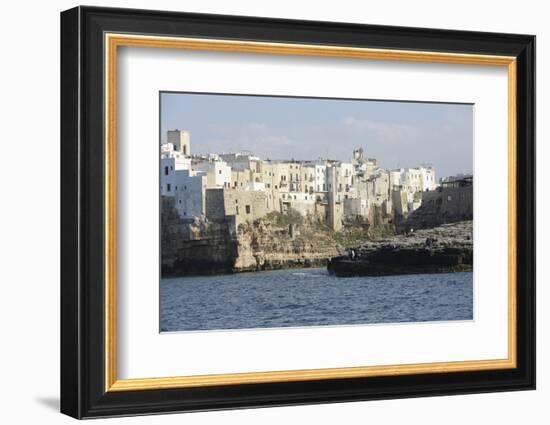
(215, 204)
(440, 206)
(245, 205)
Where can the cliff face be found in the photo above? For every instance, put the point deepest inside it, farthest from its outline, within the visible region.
(263, 245)
(203, 246)
(194, 246)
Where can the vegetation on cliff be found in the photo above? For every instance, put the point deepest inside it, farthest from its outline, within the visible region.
(275, 241)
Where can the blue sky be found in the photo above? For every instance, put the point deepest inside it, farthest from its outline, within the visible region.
(397, 134)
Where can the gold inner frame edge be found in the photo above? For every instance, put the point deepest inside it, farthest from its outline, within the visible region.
(112, 41)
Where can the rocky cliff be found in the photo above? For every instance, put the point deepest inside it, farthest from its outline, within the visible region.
(266, 245)
(195, 246)
(447, 248)
(277, 241)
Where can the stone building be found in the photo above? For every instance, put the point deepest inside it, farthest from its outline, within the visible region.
(181, 140)
(304, 203)
(452, 201)
(240, 187)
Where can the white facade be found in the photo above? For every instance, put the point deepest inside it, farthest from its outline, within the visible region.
(304, 203)
(172, 159)
(239, 161)
(218, 173)
(428, 178)
(168, 167)
(190, 187)
(395, 177)
(345, 188)
(321, 178)
(255, 186)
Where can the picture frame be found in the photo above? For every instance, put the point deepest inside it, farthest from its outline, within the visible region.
(90, 40)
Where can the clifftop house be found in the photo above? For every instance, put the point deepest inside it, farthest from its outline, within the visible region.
(243, 187)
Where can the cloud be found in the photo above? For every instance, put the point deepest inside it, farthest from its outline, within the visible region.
(381, 131)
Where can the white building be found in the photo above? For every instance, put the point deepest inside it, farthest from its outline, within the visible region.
(321, 186)
(302, 202)
(218, 173)
(240, 161)
(171, 161)
(427, 177)
(189, 190)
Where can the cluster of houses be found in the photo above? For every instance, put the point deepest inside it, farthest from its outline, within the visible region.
(243, 187)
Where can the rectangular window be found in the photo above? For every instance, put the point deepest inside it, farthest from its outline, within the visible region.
(247, 207)
(166, 170)
(168, 187)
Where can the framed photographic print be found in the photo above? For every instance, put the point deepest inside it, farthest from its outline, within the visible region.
(261, 212)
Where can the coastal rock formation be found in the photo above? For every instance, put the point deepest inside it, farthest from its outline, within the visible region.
(263, 245)
(194, 246)
(202, 246)
(447, 248)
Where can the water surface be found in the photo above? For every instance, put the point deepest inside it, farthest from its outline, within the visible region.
(310, 297)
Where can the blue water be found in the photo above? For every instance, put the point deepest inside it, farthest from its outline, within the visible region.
(310, 297)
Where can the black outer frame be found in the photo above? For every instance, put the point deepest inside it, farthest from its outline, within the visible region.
(82, 206)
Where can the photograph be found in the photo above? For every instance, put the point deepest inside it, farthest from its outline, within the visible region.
(280, 211)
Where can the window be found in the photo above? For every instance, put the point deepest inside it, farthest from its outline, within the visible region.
(168, 187)
(166, 170)
(247, 207)
(219, 171)
(237, 210)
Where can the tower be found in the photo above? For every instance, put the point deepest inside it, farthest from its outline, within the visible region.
(181, 140)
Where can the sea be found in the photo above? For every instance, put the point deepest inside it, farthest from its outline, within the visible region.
(310, 297)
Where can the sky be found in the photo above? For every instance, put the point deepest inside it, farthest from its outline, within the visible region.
(397, 134)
